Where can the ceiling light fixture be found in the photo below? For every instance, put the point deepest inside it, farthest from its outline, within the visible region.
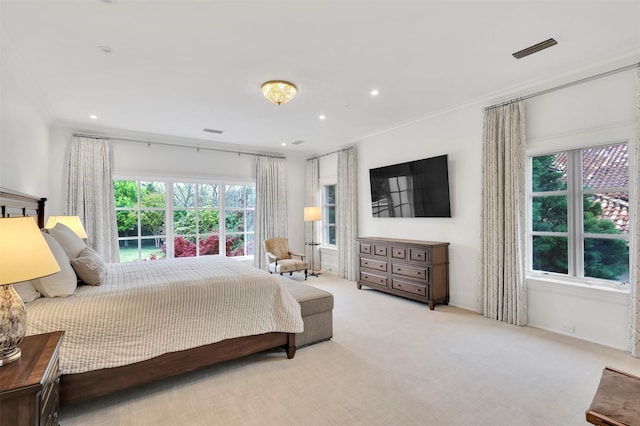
(374, 92)
(279, 91)
(93, 117)
(322, 117)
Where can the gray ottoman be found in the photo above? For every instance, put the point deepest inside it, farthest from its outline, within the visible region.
(317, 312)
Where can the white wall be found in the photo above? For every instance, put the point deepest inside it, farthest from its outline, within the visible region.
(459, 135)
(597, 112)
(24, 134)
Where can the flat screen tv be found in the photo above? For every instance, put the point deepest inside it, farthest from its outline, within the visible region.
(413, 189)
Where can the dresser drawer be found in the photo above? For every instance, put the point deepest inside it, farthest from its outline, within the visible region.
(407, 287)
(379, 250)
(368, 278)
(420, 255)
(373, 264)
(365, 248)
(414, 272)
(399, 253)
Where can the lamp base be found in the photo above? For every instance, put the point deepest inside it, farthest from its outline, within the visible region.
(10, 356)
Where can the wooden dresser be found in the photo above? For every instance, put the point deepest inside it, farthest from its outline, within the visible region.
(29, 387)
(417, 270)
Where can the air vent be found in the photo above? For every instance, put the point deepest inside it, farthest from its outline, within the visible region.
(297, 142)
(218, 132)
(535, 48)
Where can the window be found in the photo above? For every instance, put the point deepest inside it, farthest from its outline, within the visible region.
(329, 215)
(183, 219)
(580, 213)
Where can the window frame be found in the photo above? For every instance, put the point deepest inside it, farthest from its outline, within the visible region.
(575, 216)
(326, 225)
(169, 209)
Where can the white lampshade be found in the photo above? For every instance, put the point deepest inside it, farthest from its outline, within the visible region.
(72, 222)
(312, 214)
(24, 255)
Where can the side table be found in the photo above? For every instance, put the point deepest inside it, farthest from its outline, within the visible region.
(29, 387)
(313, 262)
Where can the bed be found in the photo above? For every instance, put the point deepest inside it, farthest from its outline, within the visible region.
(179, 314)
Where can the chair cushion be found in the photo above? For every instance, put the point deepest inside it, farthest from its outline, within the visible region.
(278, 246)
(288, 265)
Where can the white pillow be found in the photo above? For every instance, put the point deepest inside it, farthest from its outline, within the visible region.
(60, 284)
(69, 240)
(26, 291)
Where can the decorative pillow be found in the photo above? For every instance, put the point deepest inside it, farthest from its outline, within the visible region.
(90, 267)
(26, 291)
(69, 240)
(60, 284)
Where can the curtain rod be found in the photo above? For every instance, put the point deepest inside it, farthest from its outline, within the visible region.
(329, 153)
(566, 85)
(198, 148)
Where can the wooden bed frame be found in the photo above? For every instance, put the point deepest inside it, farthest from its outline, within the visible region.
(92, 384)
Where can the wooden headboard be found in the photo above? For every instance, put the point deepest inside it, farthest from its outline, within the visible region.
(13, 204)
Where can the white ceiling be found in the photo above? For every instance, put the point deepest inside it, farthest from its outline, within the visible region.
(178, 67)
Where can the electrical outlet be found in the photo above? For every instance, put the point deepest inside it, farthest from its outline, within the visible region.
(568, 328)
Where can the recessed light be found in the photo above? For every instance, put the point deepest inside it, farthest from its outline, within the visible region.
(322, 117)
(283, 144)
(374, 92)
(93, 117)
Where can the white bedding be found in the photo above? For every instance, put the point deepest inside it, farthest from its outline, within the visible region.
(145, 309)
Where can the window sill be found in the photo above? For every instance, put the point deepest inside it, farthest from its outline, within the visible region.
(557, 285)
(329, 248)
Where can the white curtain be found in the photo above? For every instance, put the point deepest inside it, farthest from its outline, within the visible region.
(347, 213)
(634, 241)
(90, 193)
(312, 199)
(503, 292)
(271, 205)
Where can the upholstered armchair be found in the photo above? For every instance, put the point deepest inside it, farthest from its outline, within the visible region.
(282, 260)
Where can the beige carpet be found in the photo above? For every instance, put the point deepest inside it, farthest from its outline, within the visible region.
(391, 362)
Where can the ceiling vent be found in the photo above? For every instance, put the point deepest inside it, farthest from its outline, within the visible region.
(297, 142)
(535, 48)
(217, 132)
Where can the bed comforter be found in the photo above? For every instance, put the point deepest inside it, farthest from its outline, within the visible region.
(146, 309)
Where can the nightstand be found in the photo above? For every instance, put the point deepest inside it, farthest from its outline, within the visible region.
(29, 387)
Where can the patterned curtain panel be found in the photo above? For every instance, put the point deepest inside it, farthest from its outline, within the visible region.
(311, 199)
(503, 293)
(347, 213)
(271, 205)
(634, 303)
(90, 193)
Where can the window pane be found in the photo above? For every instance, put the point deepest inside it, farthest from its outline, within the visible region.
(606, 213)
(607, 259)
(234, 196)
(550, 254)
(125, 193)
(184, 222)
(208, 221)
(331, 231)
(251, 216)
(152, 248)
(250, 251)
(234, 220)
(184, 195)
(235, 245)
(127, 223)
(331, 215)
(606, 167)
(128, 250)
(549, 213)
(549, 172)
(152, 194)
(209, 245)
(184, 247)
(152, 222)
(209, 196)
(330, 194)
(251, 196)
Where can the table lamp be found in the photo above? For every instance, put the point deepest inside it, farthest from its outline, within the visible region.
(24, 255)
(72, 222)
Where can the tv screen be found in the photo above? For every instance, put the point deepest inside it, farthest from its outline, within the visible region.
(414, 189)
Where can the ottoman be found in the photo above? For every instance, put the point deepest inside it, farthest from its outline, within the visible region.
(317, 312)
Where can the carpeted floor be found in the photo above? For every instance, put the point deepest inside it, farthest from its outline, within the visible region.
(391, 362)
